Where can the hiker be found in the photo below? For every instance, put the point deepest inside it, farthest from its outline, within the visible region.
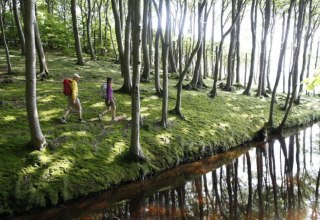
(109, 100)
(73, 99)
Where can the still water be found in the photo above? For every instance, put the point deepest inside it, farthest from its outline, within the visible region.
(276, 179)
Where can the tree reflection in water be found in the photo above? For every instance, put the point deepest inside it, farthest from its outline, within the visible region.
(275, 180)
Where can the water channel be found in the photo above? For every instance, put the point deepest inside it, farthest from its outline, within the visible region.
(276, 179)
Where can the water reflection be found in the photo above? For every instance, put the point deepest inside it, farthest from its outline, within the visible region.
(275, 180)
(278, 179)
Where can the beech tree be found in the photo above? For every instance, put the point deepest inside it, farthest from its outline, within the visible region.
(135, 148)
(165, 54)
(146, 57)
(19, 28)
(263, 51)
(124, 51)
(183, 72)
(2, 11)
(37, 139)
(295, 63)
(156, 50)
(44, 72)
(77, 42)
(253, 17)
(89, 21)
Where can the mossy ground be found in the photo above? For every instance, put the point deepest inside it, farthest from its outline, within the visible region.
(91, 157)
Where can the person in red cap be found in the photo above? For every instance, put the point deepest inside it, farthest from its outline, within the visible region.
(73, 100)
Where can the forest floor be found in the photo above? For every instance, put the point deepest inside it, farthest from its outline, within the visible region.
(82, 158)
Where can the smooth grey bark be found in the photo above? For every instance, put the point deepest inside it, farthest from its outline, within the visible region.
(124, 53)
(165, 53)
(183, 72)
(3, 33)
(127, 81)
(263, 51)
(19, 28)
(213, 92)
(232, 46)
(280, 61)
(100, 23)
(269, 90)
(88, 25)
(77, 42)
(156, 52)
(212, 38)
(146, 58)
(136, 153)
(37, 139)
(253, 16)
(308, 35)
(197, 79)
(295, 63)
(44, 72)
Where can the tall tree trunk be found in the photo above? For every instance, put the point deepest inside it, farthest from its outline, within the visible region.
(76, 33)
(100, 22)
(156, 52)
(135, 148)
(2, 11)
(183, 72)
(197, 80)
(127, 82)
(37, 139)
(231, 54)
(146, 61)
(238, 59)
(263, 51)
(19, 28)
(253, 16)
(165, 52)
(212, 38)
(89, 21)
(304, 56)
(280, 61)
(213, 92)
(295, 68)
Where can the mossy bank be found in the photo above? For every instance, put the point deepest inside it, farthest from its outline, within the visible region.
(84, 158)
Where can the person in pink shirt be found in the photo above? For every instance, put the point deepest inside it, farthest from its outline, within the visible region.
(109, 100)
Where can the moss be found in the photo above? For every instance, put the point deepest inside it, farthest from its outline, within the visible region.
(85, 158)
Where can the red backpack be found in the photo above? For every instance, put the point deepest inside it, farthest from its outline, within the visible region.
(66, 87)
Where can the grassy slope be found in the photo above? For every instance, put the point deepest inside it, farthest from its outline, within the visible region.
(90, 157)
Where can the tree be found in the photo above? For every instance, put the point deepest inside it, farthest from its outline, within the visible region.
(89, 21)
(280, 62)
(76, 33)
(263, 51)
(124, 53)
(37, 139)
(135, 149)
(232, 47)
(2, 10)
(213, 92)
(183, 72)
(146, 58)
(253, 16)
(44, 72)
(165, 53)
(295, 67)
(19, 29)
(156, 50)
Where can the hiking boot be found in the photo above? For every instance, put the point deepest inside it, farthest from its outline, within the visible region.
(82, 121)
(63, 121)
(100, 117)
